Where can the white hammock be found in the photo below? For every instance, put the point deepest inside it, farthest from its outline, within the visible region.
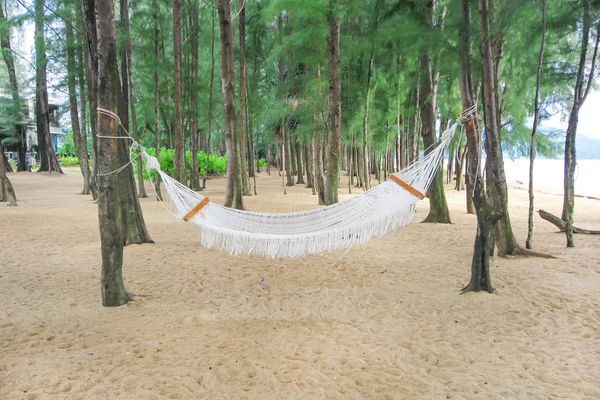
(385, 207)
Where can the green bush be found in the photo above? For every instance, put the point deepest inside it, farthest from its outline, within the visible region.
(68, 162)
(216, 164)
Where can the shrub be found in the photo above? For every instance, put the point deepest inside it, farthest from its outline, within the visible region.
(216, 164)
(68, 162)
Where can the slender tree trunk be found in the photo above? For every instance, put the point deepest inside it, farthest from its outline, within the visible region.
(438, 207)
(536, 112)
(318, 167)
(365, 147)
(194, 136)
(310, 179)
(112, 229)
(7, 193)
(233, 191)
(210, 97)
(91, 69)
(579, 96)
(16, 112)
(80, 144)
(335, 105)
(179, 157)
(484, 239)
(300, 177)
(133, 126)
(156, 98)
(93, 189)
(48, 159)
(243, 98)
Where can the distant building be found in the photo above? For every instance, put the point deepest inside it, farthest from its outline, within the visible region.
(56, 134)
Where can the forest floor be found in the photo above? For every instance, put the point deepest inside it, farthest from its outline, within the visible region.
(384, 322)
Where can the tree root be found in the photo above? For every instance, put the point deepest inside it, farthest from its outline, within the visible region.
(561, 224)
(520, 251)
(471, 288)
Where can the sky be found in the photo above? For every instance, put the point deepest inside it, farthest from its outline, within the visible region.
(589, 118)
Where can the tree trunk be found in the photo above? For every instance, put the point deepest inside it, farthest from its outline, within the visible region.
(438, 207)
(562, 225)
(194, 135)
(365, 148)
(318, 167)
(246, 191)
(80, 143)
(93, 189)
(579, 96)
(16, 106)
(335, 105)
(288, 165)
(310, 179)
(300, 177)
(91, 69)
(112, 229)
(536, 112)
(233, 191)
(156, 99)
(133, 126)
(210, 97)
(7, 193)
(486, 219)
(48, 159)
(179, 156)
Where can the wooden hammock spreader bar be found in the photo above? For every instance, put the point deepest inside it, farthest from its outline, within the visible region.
(196, 209)
(407, 187)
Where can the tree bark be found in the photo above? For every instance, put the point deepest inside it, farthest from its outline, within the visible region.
(335, 105)
(536, 112)
(438, 206)
(486, 218)
(179, 157)
(7, 192)
(210, 97)
(91, 72)
(133, 126)
(48, 159)
(562, 224)
(310, 179)
(110, 212)
(579, 96)
(318, 167)
(93, 189)
(156, 99)
(194, 135)
(80, 143)
(365, 147)
(16, 109)
(300, 176)
(246, 191)
(233, 191)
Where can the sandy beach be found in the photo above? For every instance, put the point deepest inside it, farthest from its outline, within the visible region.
(384, 322)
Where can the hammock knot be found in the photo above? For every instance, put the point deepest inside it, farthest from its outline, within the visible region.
(469, 115)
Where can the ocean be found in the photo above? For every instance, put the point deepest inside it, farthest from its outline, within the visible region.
(548, 175)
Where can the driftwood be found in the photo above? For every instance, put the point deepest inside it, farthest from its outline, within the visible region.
(561, 224)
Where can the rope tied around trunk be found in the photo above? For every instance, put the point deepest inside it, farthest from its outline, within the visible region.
(134, 144)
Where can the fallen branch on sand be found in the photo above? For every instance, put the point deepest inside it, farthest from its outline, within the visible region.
(561, 224)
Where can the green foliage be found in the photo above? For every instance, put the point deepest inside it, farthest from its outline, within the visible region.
(69, 162)
(68, 146)
(216, 164)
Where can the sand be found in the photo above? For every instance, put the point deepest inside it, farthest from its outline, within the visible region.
(384, 322)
